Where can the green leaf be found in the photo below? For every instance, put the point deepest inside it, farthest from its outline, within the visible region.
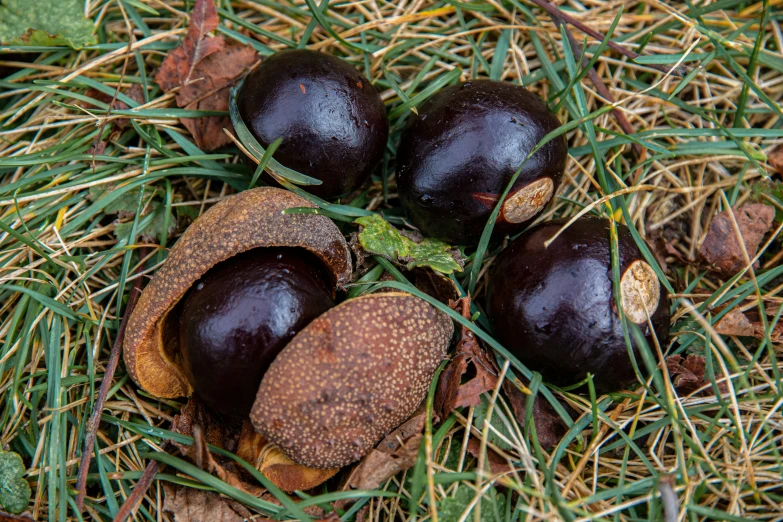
(493, 505)
(480, 415)
(380, 238)
(47, 23)
(123, 205)
(14, 490)
(152, 228)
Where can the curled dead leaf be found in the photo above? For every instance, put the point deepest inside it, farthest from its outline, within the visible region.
(395, 453)
(204, 68)
(470, 360)
(498, 465)
(550, 428)
(195, 505)
(723, 249)
(775, 159)
(687, 374)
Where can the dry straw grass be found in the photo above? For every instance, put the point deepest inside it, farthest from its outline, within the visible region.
(646, 454)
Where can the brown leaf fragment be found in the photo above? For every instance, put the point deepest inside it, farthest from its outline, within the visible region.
(195, 505)
(395, 453)
(687, 374)
(550, 428)
(722, 248)
(9, 517)
(204, 68)
(735, 323)
(498, 464)
(775, 159)
(469, 360)
(197, 421)
(134, 92)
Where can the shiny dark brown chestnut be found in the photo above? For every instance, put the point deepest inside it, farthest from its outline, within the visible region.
(331, 118)
(235, 238)
(239, 315)
(457, 156)
(554, 308)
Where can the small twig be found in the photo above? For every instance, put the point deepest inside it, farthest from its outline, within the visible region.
(108, 377)
(139, 490)
(601, 87)
(555, 12)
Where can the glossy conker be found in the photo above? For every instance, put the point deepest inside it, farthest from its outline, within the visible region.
(554, 308)
(457, 156)
(253, 220)
(239, 315)
(331, 118)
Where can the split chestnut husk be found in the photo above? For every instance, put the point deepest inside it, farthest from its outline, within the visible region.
(350, 377)
(249, 220)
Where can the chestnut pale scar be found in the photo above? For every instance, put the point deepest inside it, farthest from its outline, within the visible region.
(640, 291)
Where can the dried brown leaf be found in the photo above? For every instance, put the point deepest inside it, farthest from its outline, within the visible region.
(687, 374)
(722, 248)
(395, 453)
(195, 420)
(775, 159)
(497, 463)
(469, 359)
(195, 505)
(204, 68)
(735, 323)
(550, 428)
(747, 324)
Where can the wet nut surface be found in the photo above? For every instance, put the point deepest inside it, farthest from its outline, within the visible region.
(350, 377)
(250, 220)
(239, 315)
(553, 307)
(331, 118)
(457, 156)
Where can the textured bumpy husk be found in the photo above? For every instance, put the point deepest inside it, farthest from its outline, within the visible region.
(248, 220)
(350, 377)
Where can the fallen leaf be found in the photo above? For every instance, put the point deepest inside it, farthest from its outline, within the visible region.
(469, 359)
(687, 374)
(275, 465)
(135, 92)
(723, 249)
(395, 453)
(48, 23)
(195, 505)
(550, 428)
(204, 68)
(775, 159)
(14, 490)
(497, 463)
(197, 421)
(457, 506)
(379, 237)
(8, 517)
(735, 323)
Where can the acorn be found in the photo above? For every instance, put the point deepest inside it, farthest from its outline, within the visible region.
(459, 153)
(350, 377)
(220, 266)
(331, 118)
(553, 306)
